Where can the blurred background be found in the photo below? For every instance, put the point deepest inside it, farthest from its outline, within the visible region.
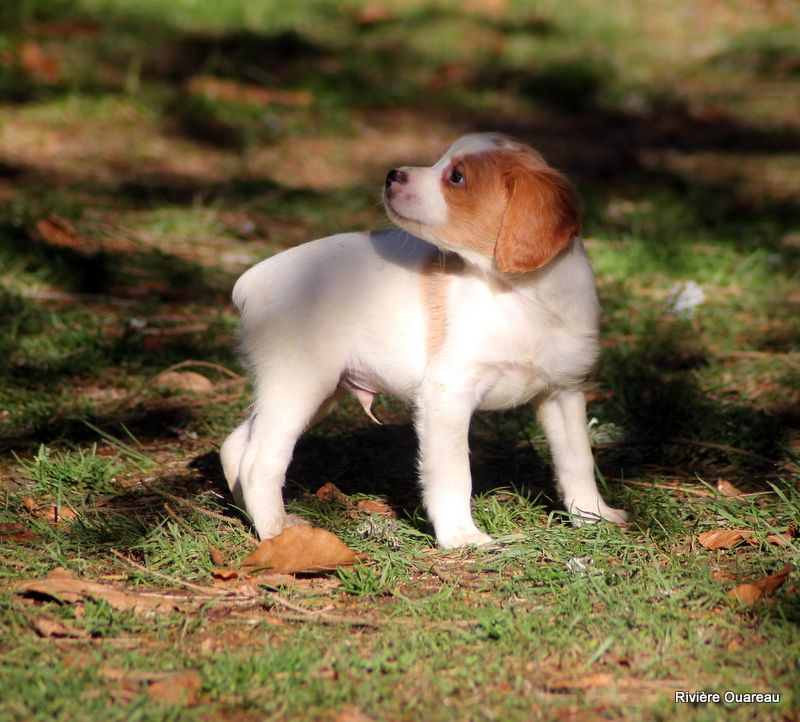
(151, 151)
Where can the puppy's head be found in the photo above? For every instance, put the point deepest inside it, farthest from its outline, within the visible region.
(490, 199)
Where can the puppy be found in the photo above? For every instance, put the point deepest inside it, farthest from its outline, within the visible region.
(484, 299)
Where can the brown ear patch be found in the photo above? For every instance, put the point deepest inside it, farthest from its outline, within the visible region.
(542, 217)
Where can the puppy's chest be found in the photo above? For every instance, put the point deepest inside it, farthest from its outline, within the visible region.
(514, 350)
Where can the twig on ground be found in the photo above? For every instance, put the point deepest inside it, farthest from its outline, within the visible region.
(308, 615)
(789, 466)
(167, 578)
(199, 509)
(205, 364)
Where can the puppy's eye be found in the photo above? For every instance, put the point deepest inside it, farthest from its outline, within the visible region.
(455, 177)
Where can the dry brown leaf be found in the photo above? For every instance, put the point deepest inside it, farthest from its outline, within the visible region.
(61, 513)
(725, 488)
(720, 575)
(237, 92)
(751, 592)
(59, 232)
(783, 539)
(224, 574)
(59, 573)
(217, 557)
(276, 580)
(376, 507)
(724, 538)
(166, 687)
(61, 28)
(178, 688)
(16, 533)
(329, 492)
(601, 679)
(61, 586)
(352, 714)
(48, 627)
(374, 14)
(184, 381)
(39, 64)
(729, 538)
(301, 549)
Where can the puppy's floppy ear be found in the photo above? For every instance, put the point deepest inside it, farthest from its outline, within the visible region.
(542, 217)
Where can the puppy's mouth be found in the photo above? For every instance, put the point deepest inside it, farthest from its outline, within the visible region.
(398, 217)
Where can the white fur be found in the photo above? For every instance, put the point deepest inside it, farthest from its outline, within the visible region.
(348, 311)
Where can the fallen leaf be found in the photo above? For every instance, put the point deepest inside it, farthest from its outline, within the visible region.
(374, 14)
(301, 549)
(62, 28)
(376, 507)
(601, 679)
(275, 581)
(122, 695)
(61, 513)
(217, 557)
(725, 488)
(729, 538)
(352, 714)
(783, 539)
(720, 575)
(751, 592)
(61, 586)
(179, 688)
(59, 232)
(329, 492)
(166, 687)
(39, 64)
(48, 627)
(59, 573)
(16, 533)
(724, 538)
(224, 574)
(234, 91)
(184, 381)
(29, 504)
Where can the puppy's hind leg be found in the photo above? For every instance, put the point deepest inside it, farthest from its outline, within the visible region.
(563, 418)
(230, 454)
(283, 409)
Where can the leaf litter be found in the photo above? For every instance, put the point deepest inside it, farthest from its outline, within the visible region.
(61, 586)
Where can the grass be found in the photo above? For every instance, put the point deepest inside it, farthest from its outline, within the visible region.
(150, 152)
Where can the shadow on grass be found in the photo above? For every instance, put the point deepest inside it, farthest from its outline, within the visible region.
(84, 268)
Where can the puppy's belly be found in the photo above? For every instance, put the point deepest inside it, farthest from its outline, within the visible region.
(509, 387)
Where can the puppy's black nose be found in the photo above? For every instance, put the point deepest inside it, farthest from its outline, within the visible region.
(396, 176)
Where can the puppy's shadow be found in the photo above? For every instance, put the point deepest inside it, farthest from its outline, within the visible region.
(382, 461)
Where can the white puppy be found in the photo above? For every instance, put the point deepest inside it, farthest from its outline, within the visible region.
(484, 300)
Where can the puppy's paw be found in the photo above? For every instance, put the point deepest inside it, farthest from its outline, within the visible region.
(593, 511)
(267, 529)
(463, 538)
(294, 520)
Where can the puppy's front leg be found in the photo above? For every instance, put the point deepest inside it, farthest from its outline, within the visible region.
(563, 417)
(442, 425)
